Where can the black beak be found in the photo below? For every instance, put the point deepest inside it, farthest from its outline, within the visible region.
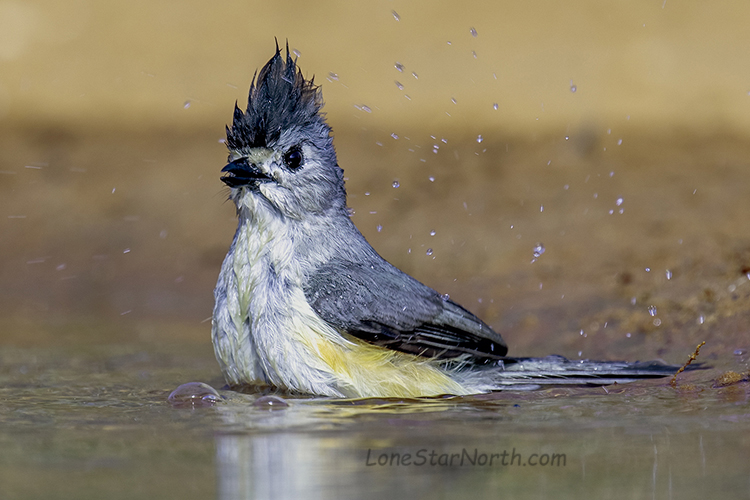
(241, 173)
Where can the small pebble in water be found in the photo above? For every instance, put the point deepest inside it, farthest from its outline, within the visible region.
(270, 403)
(194, 395)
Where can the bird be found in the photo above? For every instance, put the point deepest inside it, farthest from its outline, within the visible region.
(304, 304)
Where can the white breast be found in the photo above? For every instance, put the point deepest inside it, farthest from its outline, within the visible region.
(263, 327)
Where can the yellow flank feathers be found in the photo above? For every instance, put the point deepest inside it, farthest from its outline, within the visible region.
(363, 370)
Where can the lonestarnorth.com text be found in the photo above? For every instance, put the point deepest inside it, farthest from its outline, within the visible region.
(465, 458)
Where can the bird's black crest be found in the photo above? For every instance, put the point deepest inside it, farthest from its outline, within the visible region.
(280, 97)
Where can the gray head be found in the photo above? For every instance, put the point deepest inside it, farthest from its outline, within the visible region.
(280, 148)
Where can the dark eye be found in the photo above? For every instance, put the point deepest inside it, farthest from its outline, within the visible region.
(293, 158)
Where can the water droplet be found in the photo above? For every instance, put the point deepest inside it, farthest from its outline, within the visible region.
(480, 138)
(194, 395)
(399, 67)
(399, 85)
(333, 77)
(127, 250)
(186, 105)
(395, 15)
(429, 251)
(379, 228)
(648, 269)
(652, 310)
(432, 233)
(416, 76)
(453, 100)
(619, 202)
(445, 296)
(432, 179)
(573, 87)
(567, 137)
(394, 135)
(628, 335)
(270, 403)
(701, 319)
(396, 184)
(473, 32)
(657, 322)
(669, 274)
(495, 106)
(61, 267)
(538, 251)
(632, 300)
(619, 142)
(474, 53)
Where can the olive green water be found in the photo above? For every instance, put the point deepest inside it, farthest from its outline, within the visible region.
(117, 241)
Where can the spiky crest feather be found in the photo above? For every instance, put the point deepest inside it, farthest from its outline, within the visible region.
(280, 97)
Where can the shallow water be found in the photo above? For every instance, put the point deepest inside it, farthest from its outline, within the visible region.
(94, 422)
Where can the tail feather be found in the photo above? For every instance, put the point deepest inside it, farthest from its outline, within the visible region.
(557, 370)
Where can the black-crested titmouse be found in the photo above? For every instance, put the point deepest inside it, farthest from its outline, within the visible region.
(305, 304)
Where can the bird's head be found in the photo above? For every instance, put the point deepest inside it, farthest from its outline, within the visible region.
(281, 152)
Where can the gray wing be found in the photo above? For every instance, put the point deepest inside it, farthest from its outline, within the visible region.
(380, 304)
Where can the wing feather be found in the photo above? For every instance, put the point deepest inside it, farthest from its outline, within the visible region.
(378, 303)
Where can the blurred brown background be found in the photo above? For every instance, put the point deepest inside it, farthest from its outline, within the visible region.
(114, 222)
